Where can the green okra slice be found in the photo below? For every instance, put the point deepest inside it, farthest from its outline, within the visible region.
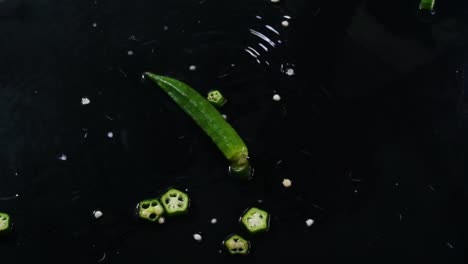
(150, 210)
(216, 98)
(256, 220)
(236, 245)
(5, 223)
(175, 202)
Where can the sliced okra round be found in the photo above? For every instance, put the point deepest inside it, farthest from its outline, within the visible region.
(5, 223)
(175, 202)
(150, 210)
(236, 245)
(256, 220)
(216, 98)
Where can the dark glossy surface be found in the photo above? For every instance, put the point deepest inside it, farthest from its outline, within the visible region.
(369, 128)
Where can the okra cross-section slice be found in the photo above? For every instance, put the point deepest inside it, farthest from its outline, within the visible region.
(256, 220)
(216, 98)
(150, 210)
(236, 245)
(175, 202)
(5, 224)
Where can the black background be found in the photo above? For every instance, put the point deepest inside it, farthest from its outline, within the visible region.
(369, 129)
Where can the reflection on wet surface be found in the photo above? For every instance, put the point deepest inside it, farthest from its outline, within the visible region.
(359, 107)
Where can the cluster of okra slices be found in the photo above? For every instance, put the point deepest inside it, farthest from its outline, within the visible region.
(254, 221)
(172, 203)
(175, 202)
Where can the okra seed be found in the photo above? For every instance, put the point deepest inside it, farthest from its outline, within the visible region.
(161, 220)
(276, 97)
(85, 101)
(287, 183)
(97, 214)
(197, 237)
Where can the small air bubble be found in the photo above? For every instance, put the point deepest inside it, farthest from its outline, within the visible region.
(130, 53)
(110, 134)
(214, 221)
(224, 116)
(62, 157)
(276, 97)
(94, 24)
(192, 67)
(285, 23)
(165, 28)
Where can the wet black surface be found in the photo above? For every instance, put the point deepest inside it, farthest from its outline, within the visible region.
(369, 128)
